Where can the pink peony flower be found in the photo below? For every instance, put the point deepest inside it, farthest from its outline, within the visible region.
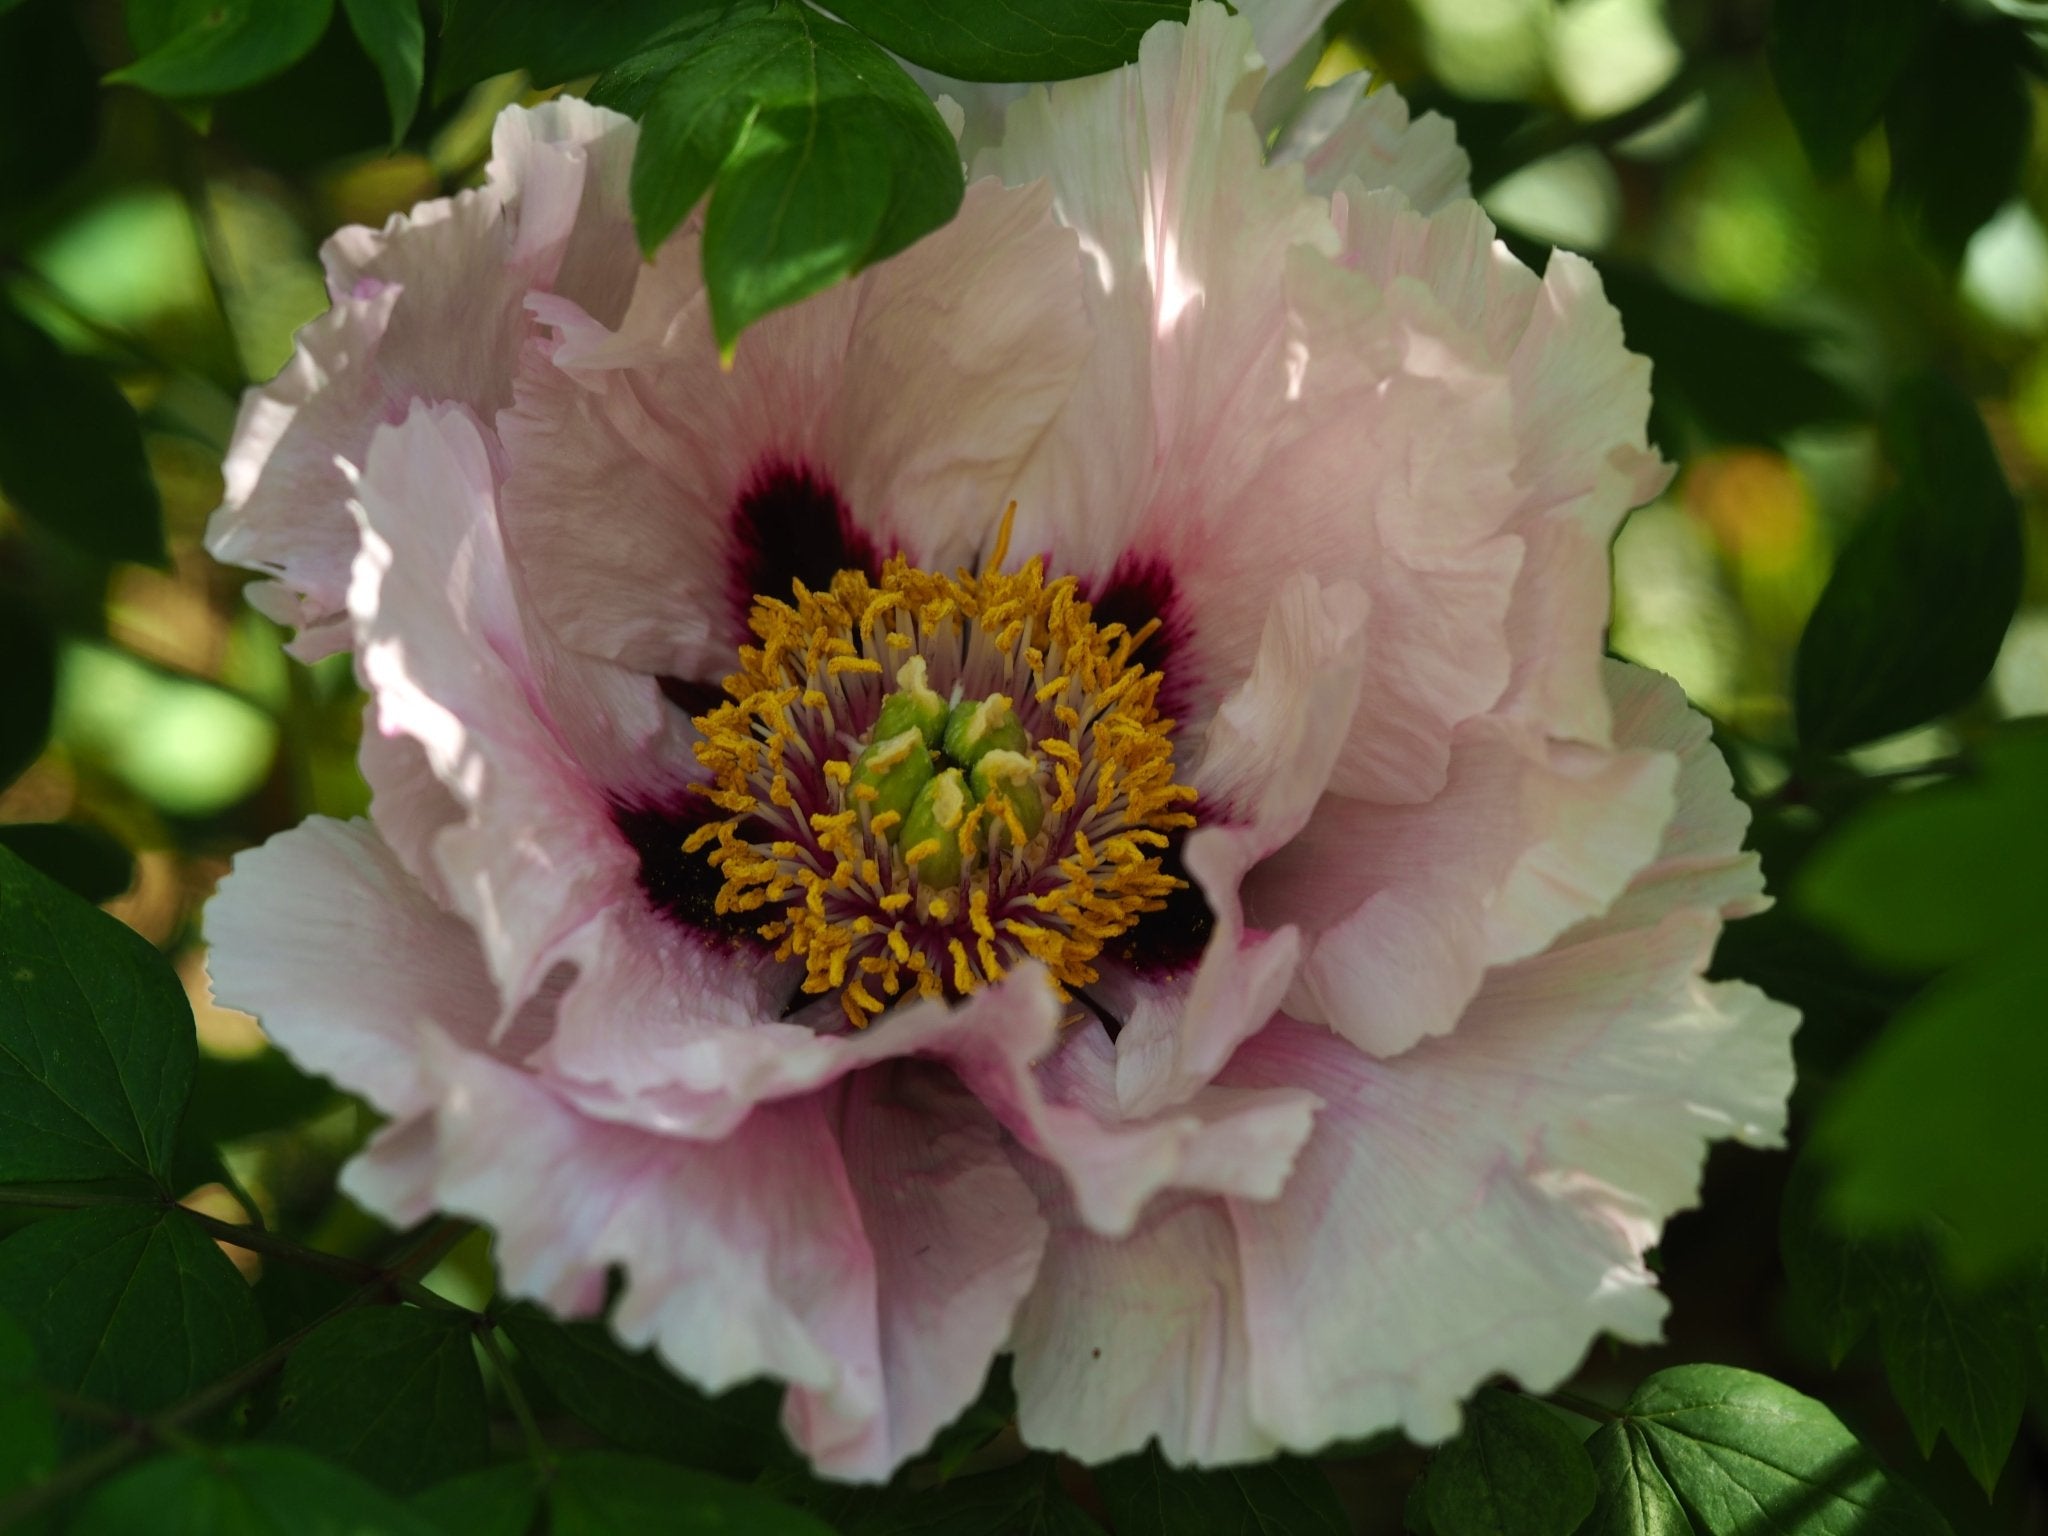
(1219, 931)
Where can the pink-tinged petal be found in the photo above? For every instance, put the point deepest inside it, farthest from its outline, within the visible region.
(1264, 761)
(908, 396)
(1342, 133)
(1159, 171)
(1282, 28)
(1407, 906)
(1139, 1338)
(289, 931)
(431, 307)
(1700, 864)
(515, 733)
(957, 1237)
(1482, 1204)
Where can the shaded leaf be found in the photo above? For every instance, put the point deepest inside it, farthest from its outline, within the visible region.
(825, 156)
(96, 1042)
(1959, 125)
(1146, 1497)
(244, 1490)
(1021, 1500)
(28, 1429)
(496, 1501)
(629, 85)
(552, 40)
(28, 690)
(636, 1401)
(1716, 1451)
(192, 49)
(1921, 596)
(71, 454)
(1027, 40)
(131, 1304)
(396, 41)
(1516, 1470)
(1835, 62)
(1941, 874)
(392, 1393)
(84, 860)
(234, 1097)
(601, 1493)
(1942, 1118)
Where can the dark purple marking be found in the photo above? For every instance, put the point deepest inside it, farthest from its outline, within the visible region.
(692, 698)
(683, 887)
(789, 525)
(1137, 592)
(1171, 940)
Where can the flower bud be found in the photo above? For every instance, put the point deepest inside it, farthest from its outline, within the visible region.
(916, 706)
(1013, 779)
(895, 768)
(975, 730)
(931, 831)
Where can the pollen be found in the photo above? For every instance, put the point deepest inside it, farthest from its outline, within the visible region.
(845, 829)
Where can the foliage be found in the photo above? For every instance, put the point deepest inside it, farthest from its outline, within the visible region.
(1824, 222)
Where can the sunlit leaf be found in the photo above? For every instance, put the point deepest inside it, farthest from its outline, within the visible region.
(1921, 596)
(192, 49)
(393, 1393)
(96, 1043)
(821, 156)
(1024, 40)
(1708, 1450)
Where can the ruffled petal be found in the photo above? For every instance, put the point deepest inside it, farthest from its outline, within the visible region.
(289, 929)
(431, 307)
(897, 407)
(1342, 134)
(1407, 906)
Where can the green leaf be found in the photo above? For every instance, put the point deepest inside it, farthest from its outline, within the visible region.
(496, 1501)
(393, 1393)
(96, 1042)
(84, 860)
(240, 1096)
(1517, 1470)
(641, 1405)
(981, 1421)
(1835, 62)
(1942, 874)
(629, 85)
(1024, 1499)
(1959, 126)
(1146, 1497)
(1956, 1355)
(245, 1490)
(193, 49)
(28, 687)
(602, 1493)
(71, 454)
(1708, 1450)
(825, 156)
(28, 1429)
(131, 1304)
(1920, 598)
(552, 40)
(1942, 1117)
(1027, 40)
(392, 35)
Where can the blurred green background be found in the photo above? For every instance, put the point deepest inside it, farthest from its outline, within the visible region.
(173, 250)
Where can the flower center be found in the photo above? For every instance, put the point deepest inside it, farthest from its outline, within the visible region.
(926, 778)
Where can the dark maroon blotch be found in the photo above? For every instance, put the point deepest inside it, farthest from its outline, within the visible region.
(1171, 940)
(790, 525)
(692, 698)
(1136, 593)
(683, 887)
